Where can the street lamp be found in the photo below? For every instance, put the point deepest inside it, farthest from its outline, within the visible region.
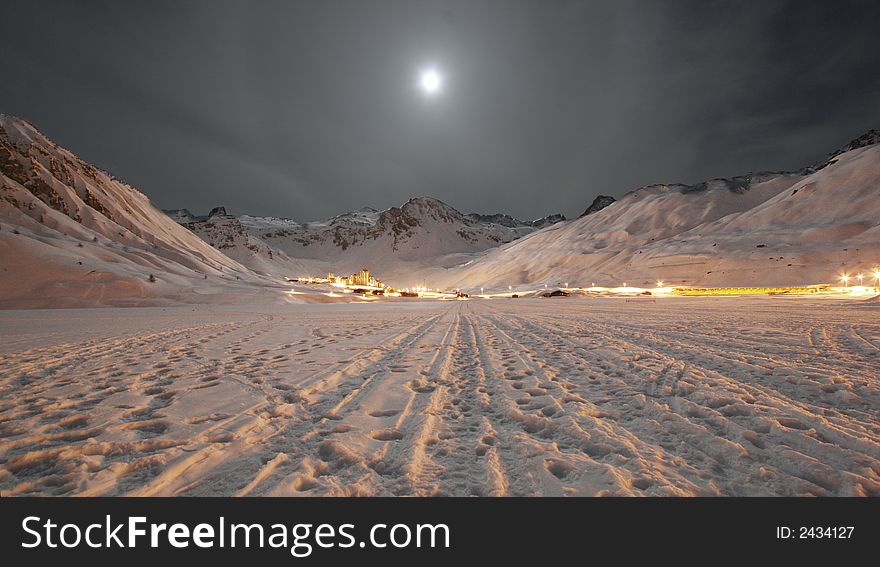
(845, 279)
(860, 279)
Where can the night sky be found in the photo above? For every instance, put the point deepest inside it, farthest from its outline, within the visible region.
(309, 109)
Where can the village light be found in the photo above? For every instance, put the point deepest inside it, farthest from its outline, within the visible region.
(845, 279)
(877, 277)
(659, 283)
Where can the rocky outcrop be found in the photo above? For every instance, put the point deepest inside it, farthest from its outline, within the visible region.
(598, 204)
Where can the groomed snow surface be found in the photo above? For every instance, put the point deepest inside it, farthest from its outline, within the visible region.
(568, 396)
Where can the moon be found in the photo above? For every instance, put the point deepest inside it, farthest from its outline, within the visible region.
(431, 82)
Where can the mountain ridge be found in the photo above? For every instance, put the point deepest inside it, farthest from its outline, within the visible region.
(399, 232)
(78, 236)
(81, 236)
(767, 228)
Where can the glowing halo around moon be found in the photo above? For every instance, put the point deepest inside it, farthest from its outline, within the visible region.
(431, 82)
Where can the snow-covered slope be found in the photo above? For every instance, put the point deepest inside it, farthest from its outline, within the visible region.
(73, 235)
(761, 229)
(401, 231)
(226, 233)
(403, 244)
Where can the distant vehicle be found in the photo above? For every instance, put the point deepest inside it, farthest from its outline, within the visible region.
(555, 293)
(514, 296)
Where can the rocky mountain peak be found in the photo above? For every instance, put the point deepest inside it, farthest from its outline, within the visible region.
(427, 207)
(218, 212)
(598, 204)
(547, 221)
(869, 138)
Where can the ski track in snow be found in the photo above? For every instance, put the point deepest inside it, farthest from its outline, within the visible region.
(482, 397)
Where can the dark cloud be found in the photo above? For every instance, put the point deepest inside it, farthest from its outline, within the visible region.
(306, 109)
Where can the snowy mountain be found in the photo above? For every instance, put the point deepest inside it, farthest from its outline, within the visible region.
(71, 234)
(226, 233)
(402, 228)
(421, 235)
(759, 229)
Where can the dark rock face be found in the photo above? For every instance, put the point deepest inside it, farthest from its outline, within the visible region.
(45, 182)
(56, 177)
(218, 212)
(511, 222)
(180, 215)
(497, 218)
(739, 185)
(598, 204)
(869, 138)
(224, 233)
(22, 161)
(185, 216)
(547, 221)
(402, 221)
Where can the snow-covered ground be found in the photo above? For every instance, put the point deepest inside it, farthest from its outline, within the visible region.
(689, 396)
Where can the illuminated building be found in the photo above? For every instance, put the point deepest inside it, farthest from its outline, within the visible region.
(363, 278)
